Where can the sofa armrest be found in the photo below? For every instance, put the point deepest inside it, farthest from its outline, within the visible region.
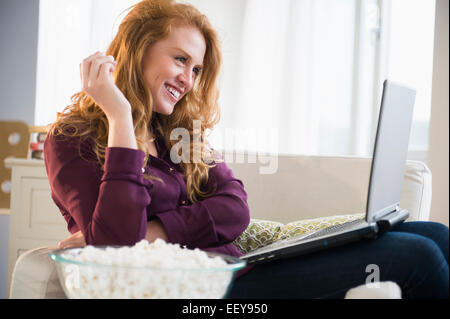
(35, 276)
(417, 191)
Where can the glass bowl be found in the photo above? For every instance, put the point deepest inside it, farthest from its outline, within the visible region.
(88, 280)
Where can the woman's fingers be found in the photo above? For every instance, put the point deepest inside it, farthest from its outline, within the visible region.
(74, 240)
(97, 83)
(85, 66)
(65, 243)
(105, 70)
(96, 64)
(89, 68)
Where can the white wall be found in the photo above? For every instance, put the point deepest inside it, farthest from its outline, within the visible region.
(18, 57)
(438, 153)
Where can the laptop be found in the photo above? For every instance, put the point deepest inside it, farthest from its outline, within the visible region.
(385, 186)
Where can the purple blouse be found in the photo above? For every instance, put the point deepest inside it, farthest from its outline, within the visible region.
(112, 207)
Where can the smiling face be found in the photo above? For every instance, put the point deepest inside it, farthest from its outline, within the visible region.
(171, 65)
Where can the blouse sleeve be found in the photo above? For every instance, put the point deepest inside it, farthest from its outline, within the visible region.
(109, 207)
(215, 221)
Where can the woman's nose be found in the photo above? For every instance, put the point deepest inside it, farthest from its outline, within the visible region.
(186, 79)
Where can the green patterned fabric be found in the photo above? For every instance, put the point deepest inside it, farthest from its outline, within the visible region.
(260, 232)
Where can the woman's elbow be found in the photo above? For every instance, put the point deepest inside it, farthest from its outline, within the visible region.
(242, 215)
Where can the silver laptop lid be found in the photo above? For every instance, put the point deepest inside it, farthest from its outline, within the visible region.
(390, 150)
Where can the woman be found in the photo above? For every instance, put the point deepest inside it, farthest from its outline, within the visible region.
(107, 156)
(111, 174)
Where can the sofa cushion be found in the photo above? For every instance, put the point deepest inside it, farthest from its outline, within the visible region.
(259, 233)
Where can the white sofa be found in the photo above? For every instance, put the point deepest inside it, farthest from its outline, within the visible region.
(302, 187)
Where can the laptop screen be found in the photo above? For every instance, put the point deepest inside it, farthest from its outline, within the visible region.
(390, 150)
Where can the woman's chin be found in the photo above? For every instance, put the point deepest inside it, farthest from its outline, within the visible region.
(166, 110)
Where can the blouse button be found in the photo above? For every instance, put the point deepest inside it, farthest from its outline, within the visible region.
(171, 169)
(143, 170)
(184, 202)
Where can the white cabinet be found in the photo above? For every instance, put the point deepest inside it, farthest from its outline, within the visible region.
(34, 220)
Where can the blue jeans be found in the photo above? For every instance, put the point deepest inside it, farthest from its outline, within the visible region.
(412, 254)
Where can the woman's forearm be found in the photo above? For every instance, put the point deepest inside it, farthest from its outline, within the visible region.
(121, 132)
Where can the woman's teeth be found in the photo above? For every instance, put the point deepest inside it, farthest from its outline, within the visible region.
(174, 92)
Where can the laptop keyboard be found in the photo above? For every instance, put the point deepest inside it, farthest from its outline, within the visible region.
(307, 236)
(334, 229)
(313, 234)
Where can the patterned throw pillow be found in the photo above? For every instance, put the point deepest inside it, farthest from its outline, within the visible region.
(259, 233)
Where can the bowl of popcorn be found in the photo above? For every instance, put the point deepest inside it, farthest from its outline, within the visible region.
(145, 270)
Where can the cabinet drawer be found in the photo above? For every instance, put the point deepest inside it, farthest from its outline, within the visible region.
(39, 217)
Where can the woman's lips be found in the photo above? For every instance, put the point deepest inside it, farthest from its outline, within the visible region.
(171, 96)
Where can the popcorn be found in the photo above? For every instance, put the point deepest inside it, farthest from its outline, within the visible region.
(156, 270)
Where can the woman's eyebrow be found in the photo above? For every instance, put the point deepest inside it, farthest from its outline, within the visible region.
(189, 57)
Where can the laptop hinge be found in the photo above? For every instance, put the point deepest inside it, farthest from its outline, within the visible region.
(386, 224)
(383, 212)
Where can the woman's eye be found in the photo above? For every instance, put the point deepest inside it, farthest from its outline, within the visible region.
(181, 59)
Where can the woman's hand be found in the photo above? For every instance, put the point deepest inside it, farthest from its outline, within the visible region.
(74, 240)
(155, 230)
(97, 81)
